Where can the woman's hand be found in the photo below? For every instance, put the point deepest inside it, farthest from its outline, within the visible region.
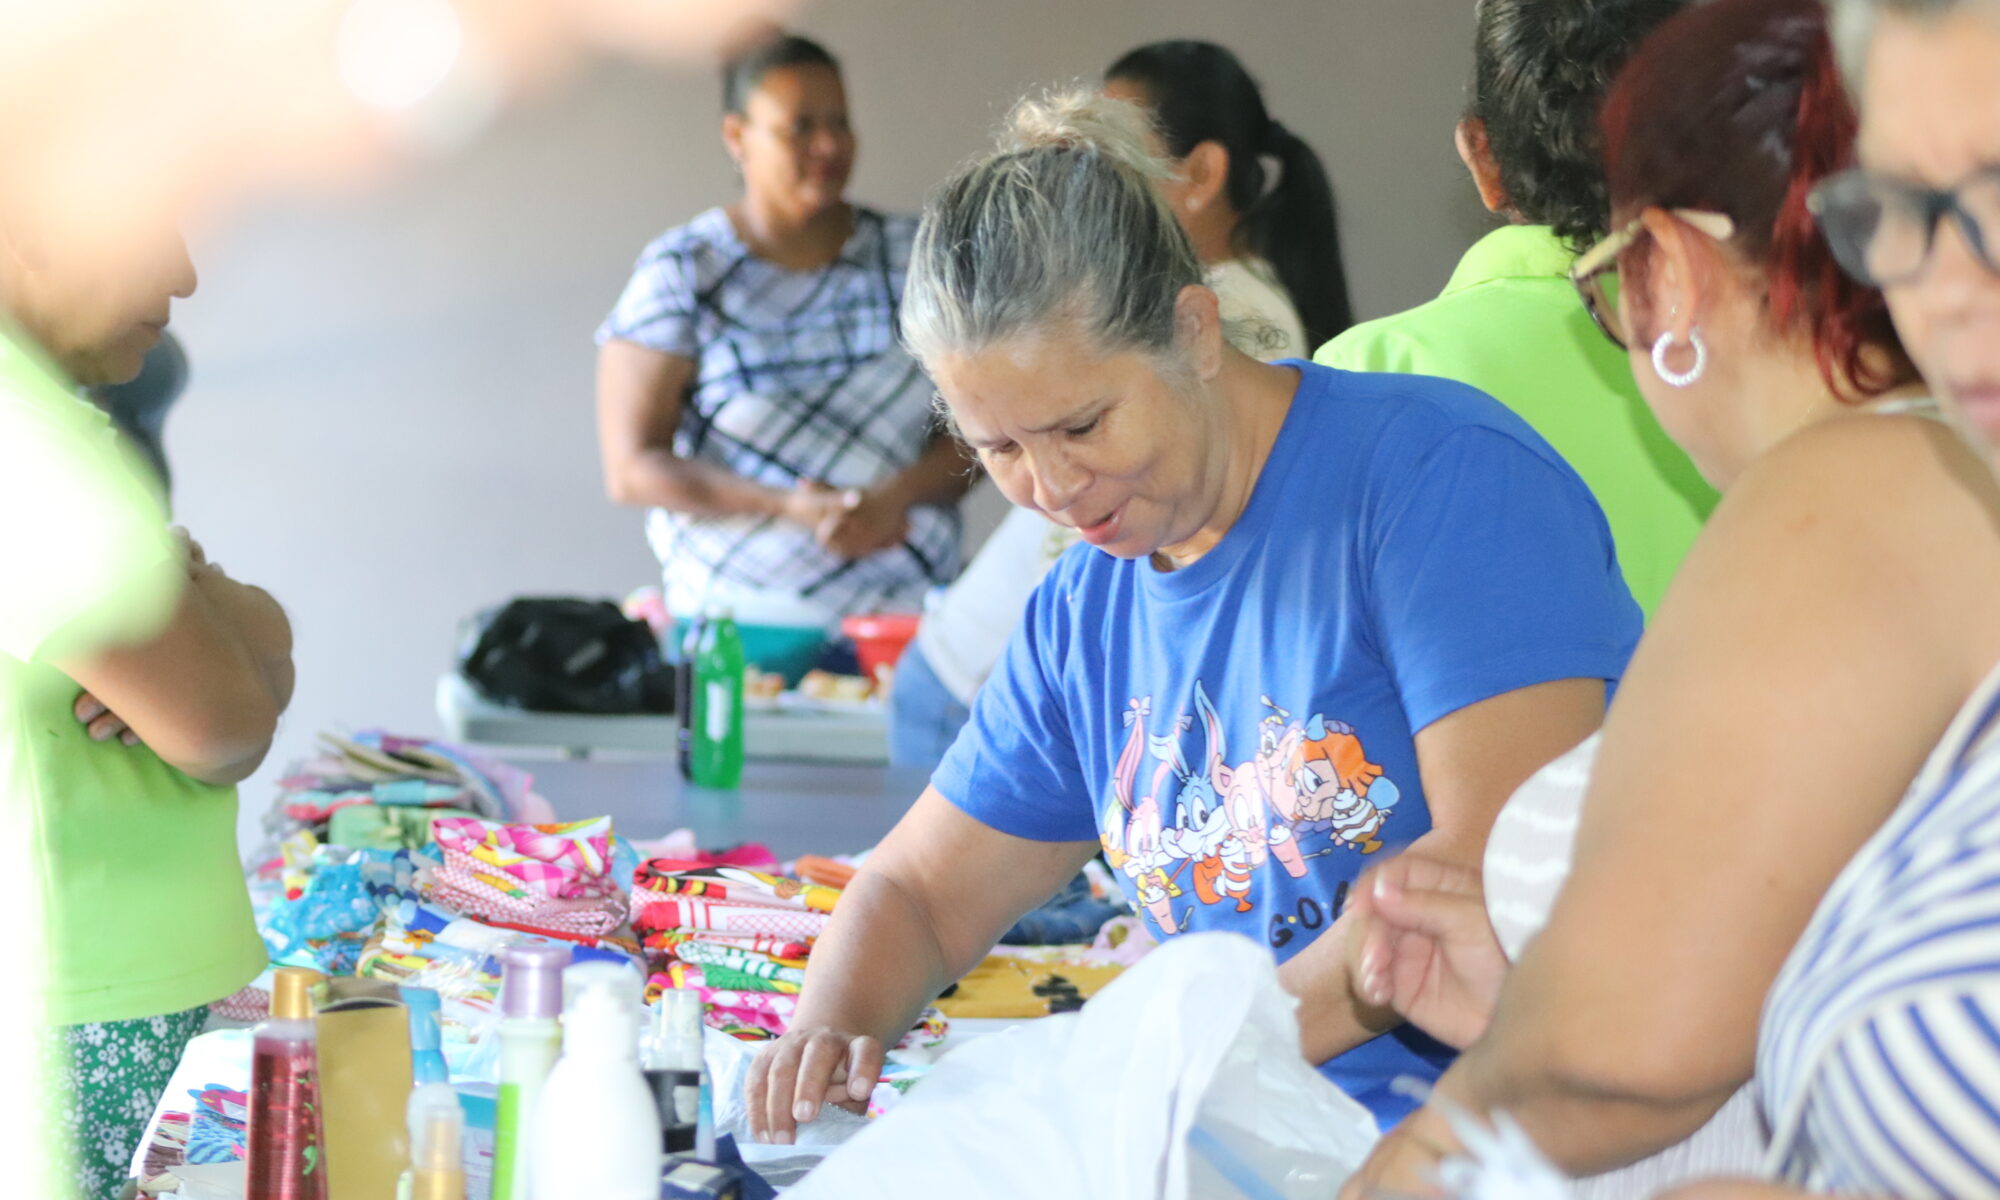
(101, 723)
(1404, 1163)
(795, 1076)
(1424, 947)
(865, 523)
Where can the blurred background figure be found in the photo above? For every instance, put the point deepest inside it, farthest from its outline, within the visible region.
(752, 392)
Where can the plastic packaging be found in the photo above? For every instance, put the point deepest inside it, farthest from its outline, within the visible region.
(283, 1157)
(531, 1000)
(717, 739)
(595, 1131)
(1181, 1079)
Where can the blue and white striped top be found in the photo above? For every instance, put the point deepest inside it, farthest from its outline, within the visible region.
(1878, 1060)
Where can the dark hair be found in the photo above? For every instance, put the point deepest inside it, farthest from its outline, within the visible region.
(742, 74)
(1539, 70)
(1199, 92)
(1736, 107)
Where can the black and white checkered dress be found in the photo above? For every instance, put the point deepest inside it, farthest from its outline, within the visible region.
(799, 375)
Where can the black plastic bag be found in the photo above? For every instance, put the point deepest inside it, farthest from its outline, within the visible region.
(566, 655)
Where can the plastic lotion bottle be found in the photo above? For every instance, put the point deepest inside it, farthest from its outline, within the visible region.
(674, 1068)
(283, 1158)
(596, 1133)
(531, 1003)
(436, 1119)
(717, 749)
(437, 1138)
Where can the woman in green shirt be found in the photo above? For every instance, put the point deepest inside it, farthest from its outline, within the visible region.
(1508, 322)
(138, 685)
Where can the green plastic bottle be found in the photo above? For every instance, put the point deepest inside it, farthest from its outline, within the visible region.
(717, 749)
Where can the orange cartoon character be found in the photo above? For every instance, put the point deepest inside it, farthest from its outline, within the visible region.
(1338, 791)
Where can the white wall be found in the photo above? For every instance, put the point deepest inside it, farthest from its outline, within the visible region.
(390, 419)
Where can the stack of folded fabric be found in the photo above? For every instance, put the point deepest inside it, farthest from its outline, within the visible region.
(484, 886)
(379, 790)
(219, 1128)
(740, 937)
(548, 879)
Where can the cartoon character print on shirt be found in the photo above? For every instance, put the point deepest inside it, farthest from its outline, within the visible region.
(1131, 832)
(1307, 779)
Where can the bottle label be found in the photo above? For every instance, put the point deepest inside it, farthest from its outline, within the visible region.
(283, 1154)
(717, 710)
(510, 1182)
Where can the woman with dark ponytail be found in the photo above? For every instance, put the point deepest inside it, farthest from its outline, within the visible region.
(1252, 196)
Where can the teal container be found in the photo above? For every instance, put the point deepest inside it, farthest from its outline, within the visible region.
(716, 745)
(787, 650)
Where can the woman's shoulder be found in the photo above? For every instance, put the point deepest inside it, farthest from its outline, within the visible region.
(1897, 507)
(1881, 472)
(1405, 419)
(708, 235)
(896, 231)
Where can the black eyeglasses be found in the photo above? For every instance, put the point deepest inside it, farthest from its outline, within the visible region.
(1592, 273)
(1882, 229)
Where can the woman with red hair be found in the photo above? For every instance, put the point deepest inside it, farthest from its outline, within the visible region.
(1833, 618)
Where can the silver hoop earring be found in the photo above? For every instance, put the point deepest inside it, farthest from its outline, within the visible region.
(1667, 374)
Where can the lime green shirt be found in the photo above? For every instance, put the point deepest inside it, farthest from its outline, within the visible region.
(1510, 324)
(140, 903)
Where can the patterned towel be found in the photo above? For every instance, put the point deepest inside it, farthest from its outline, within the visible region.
(666, 943)
(735, 884)
(653, 912)
(553, 861)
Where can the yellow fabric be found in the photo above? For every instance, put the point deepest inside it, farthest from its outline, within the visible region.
(1003, 987)
(140, 902)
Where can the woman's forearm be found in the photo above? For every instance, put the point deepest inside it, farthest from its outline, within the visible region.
(878, 964)
(1332, 1018)
(1580, 1109)
(658, 478)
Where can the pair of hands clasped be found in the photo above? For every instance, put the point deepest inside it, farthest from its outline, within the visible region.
(852, 523)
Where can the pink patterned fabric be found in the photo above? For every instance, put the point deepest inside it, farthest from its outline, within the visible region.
(469, 886)
(248, 1006)
(667, 943)
(555, 861)
(655, 911)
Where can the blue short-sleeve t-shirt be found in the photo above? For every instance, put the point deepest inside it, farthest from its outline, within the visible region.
(1238, 734)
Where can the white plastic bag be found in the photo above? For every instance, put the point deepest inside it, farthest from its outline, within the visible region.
(1181, 1081)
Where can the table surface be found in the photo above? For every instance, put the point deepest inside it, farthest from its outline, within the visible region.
(794, 808)
(778, 735)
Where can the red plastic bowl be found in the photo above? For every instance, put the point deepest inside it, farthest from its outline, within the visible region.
(880, 638)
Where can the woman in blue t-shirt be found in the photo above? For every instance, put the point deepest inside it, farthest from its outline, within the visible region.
(1321, 617)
